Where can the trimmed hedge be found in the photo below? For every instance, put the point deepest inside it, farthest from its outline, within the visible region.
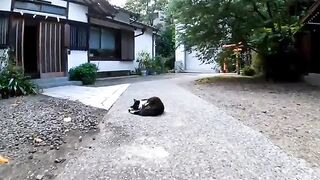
(87, 73)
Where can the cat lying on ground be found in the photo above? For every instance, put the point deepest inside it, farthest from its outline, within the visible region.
(147, 107)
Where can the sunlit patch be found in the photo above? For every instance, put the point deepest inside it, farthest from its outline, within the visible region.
(146, 152)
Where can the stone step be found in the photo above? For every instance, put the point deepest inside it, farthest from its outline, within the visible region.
(55, 82)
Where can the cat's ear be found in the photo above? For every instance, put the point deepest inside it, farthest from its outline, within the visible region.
(134, 100)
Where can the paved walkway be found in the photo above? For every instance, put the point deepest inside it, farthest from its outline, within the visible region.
(192, 140)
(100, 97)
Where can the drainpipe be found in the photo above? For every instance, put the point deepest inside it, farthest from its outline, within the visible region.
(143, 30)
(153, 46)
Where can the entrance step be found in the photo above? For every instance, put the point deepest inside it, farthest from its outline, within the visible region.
(55, 82)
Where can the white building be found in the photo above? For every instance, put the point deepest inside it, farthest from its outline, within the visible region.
(189, 62)
(51, 37)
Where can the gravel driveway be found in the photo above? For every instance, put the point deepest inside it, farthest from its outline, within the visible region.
(192, 140)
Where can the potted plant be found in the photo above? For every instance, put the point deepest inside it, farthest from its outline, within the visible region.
(144, 60)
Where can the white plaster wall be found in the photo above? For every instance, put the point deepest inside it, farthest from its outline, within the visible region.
(143, 43)
(114, 65)
(180, 58)
(5, 5)
(76, 58)
(78, 12)
(59, 3)
(194, 64)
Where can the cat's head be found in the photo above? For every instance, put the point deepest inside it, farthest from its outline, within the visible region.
(136, 104)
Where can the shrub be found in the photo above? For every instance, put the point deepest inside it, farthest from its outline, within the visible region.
(13, 82)
(87, 73)
(157, 65)
(248, 71)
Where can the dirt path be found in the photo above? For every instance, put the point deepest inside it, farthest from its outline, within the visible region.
(287, 113)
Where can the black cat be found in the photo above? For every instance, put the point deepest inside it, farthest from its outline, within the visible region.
(147, 107)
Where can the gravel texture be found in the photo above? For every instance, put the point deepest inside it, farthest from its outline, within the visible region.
(193, 139)
(288, 113)
(33, 122)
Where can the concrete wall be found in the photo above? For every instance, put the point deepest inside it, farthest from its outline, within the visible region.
(114, 65)
(143, 43)
(78, 12)
(76, 58)
(5, 5)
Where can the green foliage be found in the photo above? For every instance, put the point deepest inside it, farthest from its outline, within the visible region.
(144, 59)
(265, 25)
(158, 65)
(248, 71)
(87, 73)
(146, 9)
(13, 81)
(165, 45)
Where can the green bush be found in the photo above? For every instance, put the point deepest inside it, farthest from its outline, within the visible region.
(87, 73)
(13, 82)
(248, 71)
(157, 65)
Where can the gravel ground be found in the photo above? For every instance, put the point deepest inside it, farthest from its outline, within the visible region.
(39, 124)
(288, 113)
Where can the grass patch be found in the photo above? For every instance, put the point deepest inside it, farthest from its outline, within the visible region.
(229, 79)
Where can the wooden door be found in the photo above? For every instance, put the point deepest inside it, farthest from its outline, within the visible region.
(51, 55)
(16, 40)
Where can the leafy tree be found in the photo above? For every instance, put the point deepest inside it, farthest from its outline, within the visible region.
(265, 26)
(146, 9)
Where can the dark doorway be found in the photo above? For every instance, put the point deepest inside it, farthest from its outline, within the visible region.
(30, 50)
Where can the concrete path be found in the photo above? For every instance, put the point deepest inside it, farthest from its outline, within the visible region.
(100, 97)
(192, 140)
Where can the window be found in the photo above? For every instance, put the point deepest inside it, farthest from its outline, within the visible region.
(78, 37)
(40, 7)
(3, 31)
(104, 44)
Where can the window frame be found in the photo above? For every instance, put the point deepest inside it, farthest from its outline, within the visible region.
(116, 56)
(79, 26)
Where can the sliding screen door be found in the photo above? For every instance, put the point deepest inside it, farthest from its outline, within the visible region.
(51, 53)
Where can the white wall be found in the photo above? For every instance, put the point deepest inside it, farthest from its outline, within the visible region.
(76, 58)
(194, 64)
(143, 43)
(58, 3)
(180, 58)
(5, 5)
(78, 12)
(114, 65)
